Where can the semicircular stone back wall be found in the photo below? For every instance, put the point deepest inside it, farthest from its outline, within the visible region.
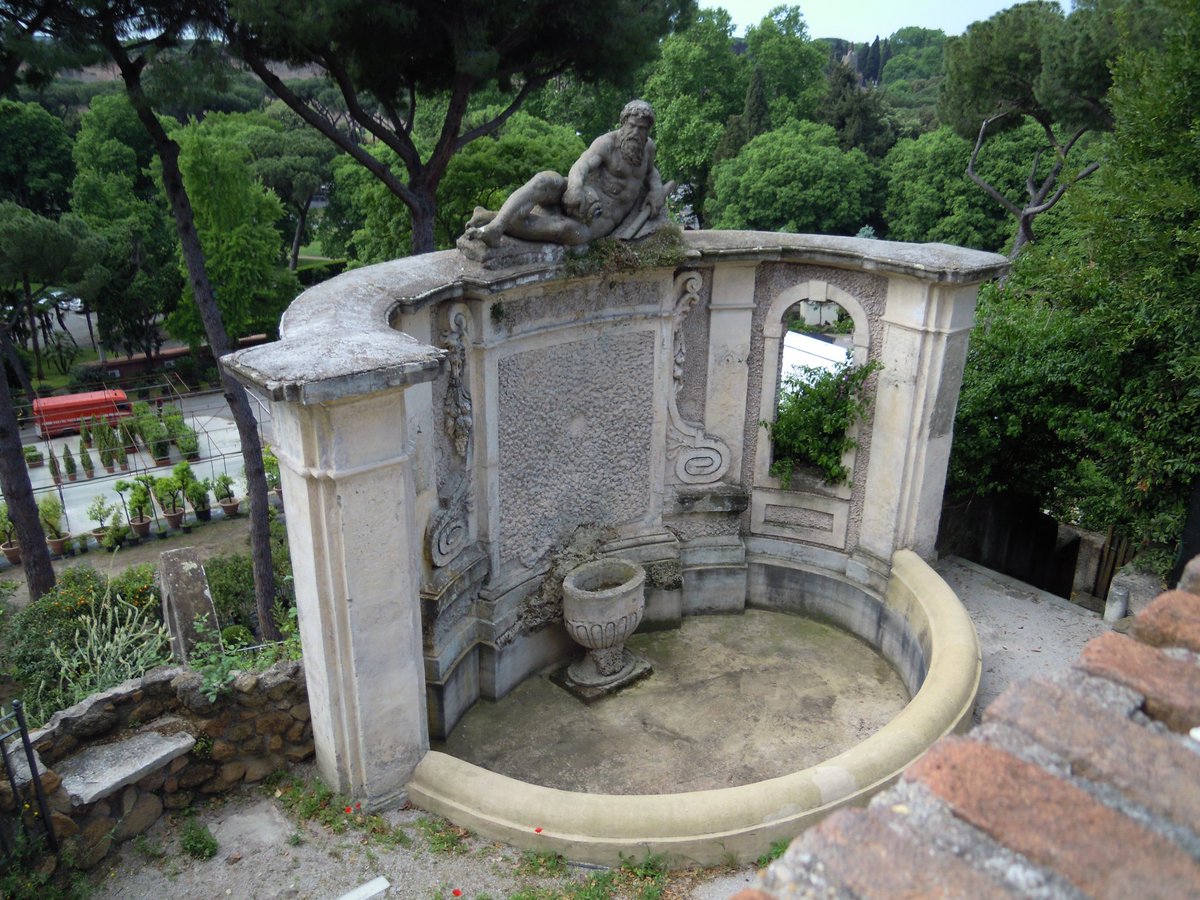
(449, 435)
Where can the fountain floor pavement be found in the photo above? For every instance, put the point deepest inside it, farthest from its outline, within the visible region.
(1022, 631)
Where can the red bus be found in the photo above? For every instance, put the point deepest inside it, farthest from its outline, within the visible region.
(60, 415)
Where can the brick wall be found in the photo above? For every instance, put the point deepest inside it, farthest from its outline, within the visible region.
(1084, 784)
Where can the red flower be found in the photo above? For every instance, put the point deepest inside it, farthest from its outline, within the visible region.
(456, 892)
(349, 810)
(358, 806)
(538, 830)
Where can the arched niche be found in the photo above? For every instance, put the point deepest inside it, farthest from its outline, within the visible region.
(819, 300)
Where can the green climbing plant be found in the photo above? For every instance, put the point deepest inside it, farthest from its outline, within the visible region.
(817, 409)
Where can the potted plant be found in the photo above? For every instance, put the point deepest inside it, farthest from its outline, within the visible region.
(12, 550)
(34, 457)
(140, 507)
(69, 467)
(271, 470)
(86, 435)
(188, 444)
(198, 496)
(169, 493)
(85, 460)
(223, 488)
(100, 511)
(50, 512)
(55, 471)
(115, 534)
(158, 441)
(122, 458)
(128, 430)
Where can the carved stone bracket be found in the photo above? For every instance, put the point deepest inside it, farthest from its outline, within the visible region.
(449, 526)
(698, 458)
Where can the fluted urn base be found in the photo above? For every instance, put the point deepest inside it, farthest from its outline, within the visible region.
(603, 601)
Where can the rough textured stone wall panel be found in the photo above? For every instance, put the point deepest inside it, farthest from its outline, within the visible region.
(574, 439)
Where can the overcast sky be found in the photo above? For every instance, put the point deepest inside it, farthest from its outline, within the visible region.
(862, 20)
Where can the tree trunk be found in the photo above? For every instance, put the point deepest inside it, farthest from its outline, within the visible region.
(218, 340)
(22, 508)
(423, 217)
(298, 237)
(1189, 540)
(33, 329)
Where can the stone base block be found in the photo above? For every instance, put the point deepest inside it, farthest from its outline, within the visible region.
(590, 693)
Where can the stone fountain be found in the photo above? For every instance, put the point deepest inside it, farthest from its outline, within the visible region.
(603, 603)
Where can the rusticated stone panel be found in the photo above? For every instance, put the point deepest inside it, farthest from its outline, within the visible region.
(574, 439)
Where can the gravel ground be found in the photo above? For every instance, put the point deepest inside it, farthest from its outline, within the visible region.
(264, 851)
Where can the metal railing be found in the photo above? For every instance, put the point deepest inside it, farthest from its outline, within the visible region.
(28, 822)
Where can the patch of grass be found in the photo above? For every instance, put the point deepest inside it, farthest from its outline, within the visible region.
(443, 836)
(197, 841)
(539, 863)
(314, 801)
(776, 851)
(610, 256)
(146, 849)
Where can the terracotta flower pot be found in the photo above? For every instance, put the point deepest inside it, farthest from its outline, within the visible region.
(229, 507)
(141, 525)
(58, 546)
(12, 552)
(174, 517)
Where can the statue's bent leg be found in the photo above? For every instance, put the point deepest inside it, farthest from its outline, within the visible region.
(544, 189)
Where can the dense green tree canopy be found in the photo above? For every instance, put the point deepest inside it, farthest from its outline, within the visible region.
(695, 87)
(116, 193)
(35, 158)
(236, 218)
(1083, 386)
(396, 56)
(794, 179)
(792, 64)
(930, 197)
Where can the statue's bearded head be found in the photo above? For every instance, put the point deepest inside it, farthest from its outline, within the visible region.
(637, 118)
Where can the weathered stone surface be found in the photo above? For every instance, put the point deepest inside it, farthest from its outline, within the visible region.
(91, 717)
(298, 752)
(101, 770)
(273, 742)
(1172, 620)
(258, 769)
(185, 598)
(222, 751)
(1190, 579)
(1053, 823)
(196, 773)
(144, 813)
(64, 825)
(273, 723)
(145, 712)
(1096, 742)
(178, 800)
(300, 711)
(153, 781)
(93, 842)
(1171, 686)
(245, 682)
(239, 732)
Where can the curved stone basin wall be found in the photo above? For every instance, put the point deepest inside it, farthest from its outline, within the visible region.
(444, 431)
(921, 628)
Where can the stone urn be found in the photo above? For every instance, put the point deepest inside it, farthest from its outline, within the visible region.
(603, 602)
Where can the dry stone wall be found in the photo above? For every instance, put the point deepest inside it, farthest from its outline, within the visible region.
(113, 763)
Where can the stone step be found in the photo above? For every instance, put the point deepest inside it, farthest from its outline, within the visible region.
(102, 770)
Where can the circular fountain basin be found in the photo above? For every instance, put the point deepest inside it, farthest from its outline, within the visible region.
(918, 626)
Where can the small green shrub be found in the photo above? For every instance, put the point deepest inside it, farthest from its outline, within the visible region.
(237, 636)
(776, 850)
(535, 863)
(817, 408)
(44, 630)
(231, 581)
(197, 841)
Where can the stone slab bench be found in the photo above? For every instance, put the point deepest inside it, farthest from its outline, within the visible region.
(101, 770)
